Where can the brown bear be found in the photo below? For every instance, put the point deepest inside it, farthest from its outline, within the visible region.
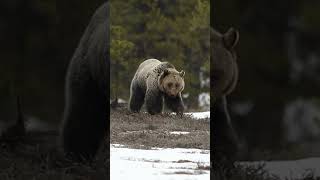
(86, 113)
(154, 81)
(224, 78)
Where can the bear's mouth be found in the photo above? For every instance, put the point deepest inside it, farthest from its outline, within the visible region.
(172, 95)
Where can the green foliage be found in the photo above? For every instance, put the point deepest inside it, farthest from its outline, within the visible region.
(120, 50)
(174, 31)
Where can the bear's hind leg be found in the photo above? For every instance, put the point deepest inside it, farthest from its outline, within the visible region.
(136, 98)
(154, 102)
(175, 104)
(85, 119)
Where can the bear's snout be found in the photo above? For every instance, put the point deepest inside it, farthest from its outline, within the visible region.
(172, 94)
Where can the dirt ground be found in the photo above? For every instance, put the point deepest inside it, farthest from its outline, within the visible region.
(37, 155)
(142, 130)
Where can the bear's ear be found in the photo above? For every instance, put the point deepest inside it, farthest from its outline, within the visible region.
(230, 38)
(165, 72)
(182, 73)
(160, 79)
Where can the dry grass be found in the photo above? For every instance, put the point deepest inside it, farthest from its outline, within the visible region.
(37, 156)
(141, 130)
(252, 173)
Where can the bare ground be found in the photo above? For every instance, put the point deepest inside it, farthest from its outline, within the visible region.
(37, 156)
(142, 130)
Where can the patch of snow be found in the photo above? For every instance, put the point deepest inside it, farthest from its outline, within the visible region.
(186, 95)
(204, 81)
(200, 115)
(295, 169)
(118, 145)
(301, 120)
(36, 124)
(158, 163)
(242, 108)
(204, 101)
(127, 132)
(179, 132)
(120, 100)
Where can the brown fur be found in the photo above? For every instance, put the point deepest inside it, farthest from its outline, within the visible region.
(224, 78)
(86, 115)
(171, 82)
(151, 84)
(223, 62)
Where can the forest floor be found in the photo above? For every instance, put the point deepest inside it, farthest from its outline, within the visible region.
(37, 156)
(167, 146)
(164, 146)
(144, 131)
(158, 147)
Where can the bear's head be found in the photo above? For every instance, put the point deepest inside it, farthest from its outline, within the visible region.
(224, 67)
(171, 82)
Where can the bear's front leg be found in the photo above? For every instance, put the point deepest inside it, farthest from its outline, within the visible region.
(154, 102)
(136, 98)
(224, 136)
(175, 104)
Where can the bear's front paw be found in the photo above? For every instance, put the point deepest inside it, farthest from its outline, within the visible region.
(180, 113)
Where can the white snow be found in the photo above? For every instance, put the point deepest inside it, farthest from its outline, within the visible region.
(179, 132)
(200, 115)
(186, 95)
(158, 163)
(290, 169)
(204, 100)
(301, 120)
(242, 108)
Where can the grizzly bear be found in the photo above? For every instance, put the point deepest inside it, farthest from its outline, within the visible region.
(224, 78)
(86, 111)
(153, 82)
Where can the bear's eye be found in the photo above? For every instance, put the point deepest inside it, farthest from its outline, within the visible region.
(169, 84)
(177, 85)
